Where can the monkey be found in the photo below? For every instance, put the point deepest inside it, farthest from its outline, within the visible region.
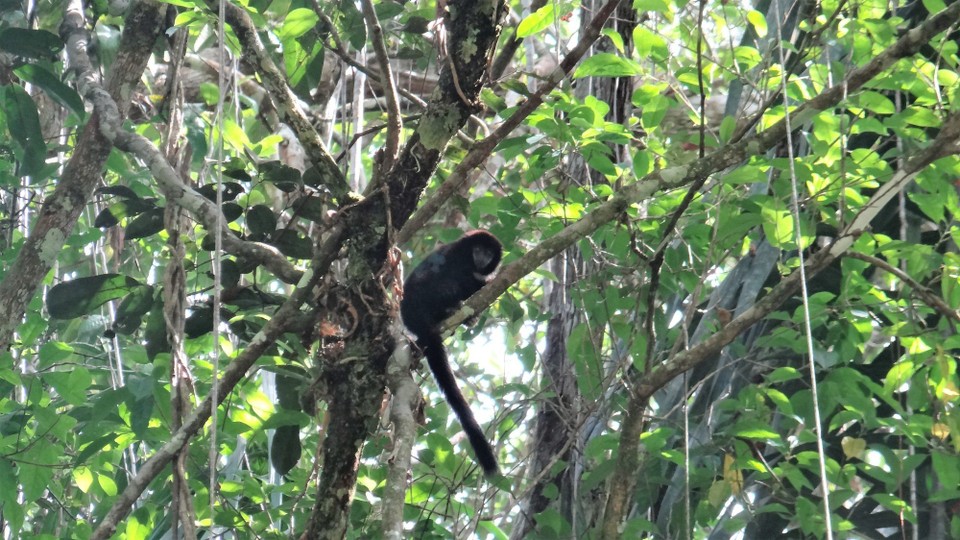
(434, 291)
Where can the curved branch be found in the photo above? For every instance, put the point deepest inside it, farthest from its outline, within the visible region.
(925, 294)
(206, 211)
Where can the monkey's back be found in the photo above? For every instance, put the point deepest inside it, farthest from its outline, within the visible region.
(436, 287)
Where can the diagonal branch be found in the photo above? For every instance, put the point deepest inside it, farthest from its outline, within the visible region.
(177, 192)
(621, 487)
(286, 315)
(286, 102)
(925, 294)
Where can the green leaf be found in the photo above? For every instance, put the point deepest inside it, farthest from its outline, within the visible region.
(875, 102)
(231, 190)
(30, 43)
(581, 351)
(53, 352)
(758, 21)
(234, 135)
(921, 117)
(131, 310)
(387, 9)
(310, 207)
(649, 44)
(95, 447)
(539, 20)
(783, 374)
(146, 224)
(934, 6)
(293, 244)
(261, 220)
(111, 215)
(23, 122)
(286, 178)
(71, 385)
(36, 470)
(493, 529)
(286, 449)
(658, 6)
(141, 410)
(614, 38)
(8, 484)
(754, 429)
(83, 478)
(778, 226)
(608, 65)
(747, 174)
(51, 84)
(947, 467)
(82, 296)
(354, 28)
(297, 23)
(727, 126)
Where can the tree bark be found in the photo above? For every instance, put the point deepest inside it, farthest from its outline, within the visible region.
(80, 176)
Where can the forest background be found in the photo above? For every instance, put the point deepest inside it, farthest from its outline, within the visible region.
(728, 305)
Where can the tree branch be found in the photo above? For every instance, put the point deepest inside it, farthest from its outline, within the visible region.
(722, 158)
(178, 192)
(83, 171)
(928, 297)
(659, 376)
(286, 102)
(388, 84)
(286, 315)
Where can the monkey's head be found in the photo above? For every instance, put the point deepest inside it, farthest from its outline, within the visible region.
(486, 251)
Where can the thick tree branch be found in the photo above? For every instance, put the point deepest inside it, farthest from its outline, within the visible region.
(83, 171)
(406, 400)
(354, 408)
(629, 455)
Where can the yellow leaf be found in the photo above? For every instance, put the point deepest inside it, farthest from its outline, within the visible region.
(732, 475)
(853, 447)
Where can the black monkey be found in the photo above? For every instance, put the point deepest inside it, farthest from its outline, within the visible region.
(433, 292)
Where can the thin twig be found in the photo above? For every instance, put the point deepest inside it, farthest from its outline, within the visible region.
(938, 304)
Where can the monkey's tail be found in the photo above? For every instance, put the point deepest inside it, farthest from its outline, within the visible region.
(432, 346)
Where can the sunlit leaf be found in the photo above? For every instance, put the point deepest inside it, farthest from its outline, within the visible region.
(608, 65)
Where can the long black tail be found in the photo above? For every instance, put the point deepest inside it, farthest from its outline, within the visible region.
(432, 347)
